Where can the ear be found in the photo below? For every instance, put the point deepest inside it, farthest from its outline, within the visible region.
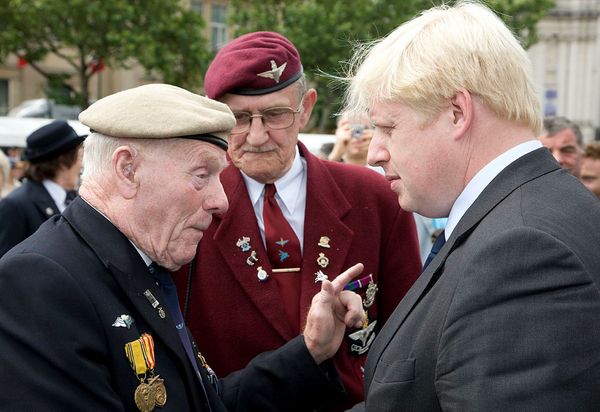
(310, 98)
(461, 106)
(124, 164)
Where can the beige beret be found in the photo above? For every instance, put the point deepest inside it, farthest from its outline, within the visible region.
(160, 111)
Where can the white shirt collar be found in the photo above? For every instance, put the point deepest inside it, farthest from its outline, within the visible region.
(482, 179)
(56, 192)
(287, 186)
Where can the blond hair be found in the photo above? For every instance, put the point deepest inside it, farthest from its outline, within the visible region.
(425, 61)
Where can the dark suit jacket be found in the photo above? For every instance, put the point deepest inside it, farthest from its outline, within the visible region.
(62, 289)
(233, 316)
(22, 212)
(506, 317)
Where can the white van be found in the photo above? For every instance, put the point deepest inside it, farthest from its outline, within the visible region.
(14, 130)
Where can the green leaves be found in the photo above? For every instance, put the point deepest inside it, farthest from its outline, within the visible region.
(161, 35)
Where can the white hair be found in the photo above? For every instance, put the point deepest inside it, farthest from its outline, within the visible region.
(425, 61)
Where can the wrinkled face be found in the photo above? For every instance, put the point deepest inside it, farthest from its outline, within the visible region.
(416, 158)
(590, 174)
(264, 154)
(179, 191)
(563, 146)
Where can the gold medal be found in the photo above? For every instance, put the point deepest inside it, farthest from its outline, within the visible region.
(144, 397)
(159, 390)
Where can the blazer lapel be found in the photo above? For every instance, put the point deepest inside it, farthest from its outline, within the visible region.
(326, 206)
(42, 200)
(524, 169)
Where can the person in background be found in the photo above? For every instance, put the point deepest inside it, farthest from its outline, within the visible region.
(293, 221)
(505, 314)
(54, 155)
(352, 138)
(590, 168)
(564, 140)
(89, 319)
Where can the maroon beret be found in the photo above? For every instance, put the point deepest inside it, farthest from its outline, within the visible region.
(253, 64)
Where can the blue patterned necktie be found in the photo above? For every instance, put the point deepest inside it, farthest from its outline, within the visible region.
(170, 292)
(439, 243)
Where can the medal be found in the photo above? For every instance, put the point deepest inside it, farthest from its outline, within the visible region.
(157, 386)
(150, 392)
(144, 397)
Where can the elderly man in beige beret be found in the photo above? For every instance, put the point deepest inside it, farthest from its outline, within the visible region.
(89, 318)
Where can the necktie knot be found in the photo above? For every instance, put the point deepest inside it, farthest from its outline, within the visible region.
(270, 190)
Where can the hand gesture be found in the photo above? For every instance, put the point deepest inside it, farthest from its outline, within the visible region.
(332, 310)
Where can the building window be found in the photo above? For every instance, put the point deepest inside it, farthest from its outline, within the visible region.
(3, 97)
(196, 5)
(218, 26)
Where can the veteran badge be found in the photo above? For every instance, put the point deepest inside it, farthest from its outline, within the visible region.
(361, 340)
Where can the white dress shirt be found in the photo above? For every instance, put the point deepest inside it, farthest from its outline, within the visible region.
(482, 179)
(291, 197)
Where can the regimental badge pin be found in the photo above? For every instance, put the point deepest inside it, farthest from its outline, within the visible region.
(261, 274)
(275, 72)
(320, 276)
(243, 243)
(370, 294)
(323, 260)
(324, 242)
(252, 259)
(155, 303)
(361, 340)
(123, 321)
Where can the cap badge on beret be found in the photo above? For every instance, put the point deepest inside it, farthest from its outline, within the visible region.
(275, 72)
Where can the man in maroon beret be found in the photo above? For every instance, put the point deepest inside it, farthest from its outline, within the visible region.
(293, 220)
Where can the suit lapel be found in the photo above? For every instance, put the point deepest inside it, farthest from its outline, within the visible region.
(524, 169)
(130, 272)
(326, 205)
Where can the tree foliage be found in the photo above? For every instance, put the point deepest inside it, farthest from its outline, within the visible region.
(160, 35)
(324, 32)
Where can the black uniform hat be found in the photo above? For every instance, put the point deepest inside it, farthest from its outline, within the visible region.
(50, 141)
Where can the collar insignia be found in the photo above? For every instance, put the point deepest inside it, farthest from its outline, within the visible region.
(275, 72)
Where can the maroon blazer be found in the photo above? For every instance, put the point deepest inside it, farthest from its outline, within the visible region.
(233, 316)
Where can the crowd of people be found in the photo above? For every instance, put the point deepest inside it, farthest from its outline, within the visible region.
(440, 258)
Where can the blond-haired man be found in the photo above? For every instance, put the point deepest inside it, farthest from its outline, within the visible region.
(504, 316)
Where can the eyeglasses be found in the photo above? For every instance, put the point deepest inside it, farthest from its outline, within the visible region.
(274, 118)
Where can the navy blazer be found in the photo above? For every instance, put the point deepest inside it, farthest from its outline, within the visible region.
(22, 212)
(62, 290)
